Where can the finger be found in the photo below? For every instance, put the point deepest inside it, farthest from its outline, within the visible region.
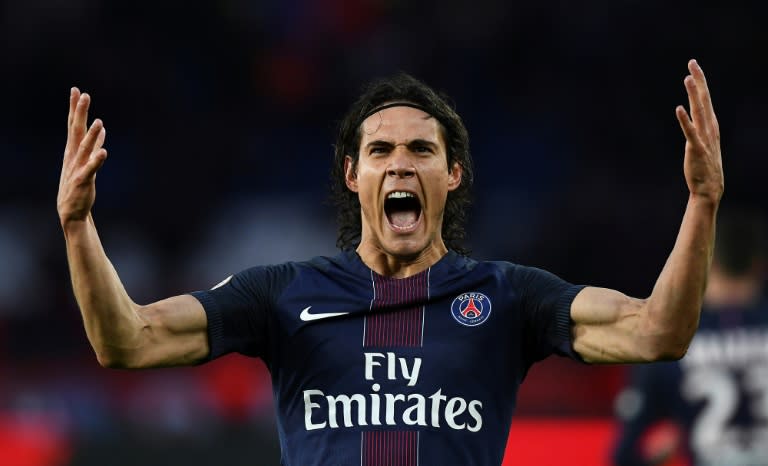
(100, 138)
(74, 97)
(694, 101)
(689, 130)
(80, 120)
(95, 161)
(89, 142)
(701, 84)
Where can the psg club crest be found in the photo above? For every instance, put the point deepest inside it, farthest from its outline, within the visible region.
(471, 309)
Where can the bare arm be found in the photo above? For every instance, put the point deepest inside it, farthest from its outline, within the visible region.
(612, 327)
(122, 333)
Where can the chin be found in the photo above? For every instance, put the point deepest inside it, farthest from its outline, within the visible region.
(405, 248)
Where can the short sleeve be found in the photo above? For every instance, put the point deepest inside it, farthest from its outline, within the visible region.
(238, 311)
(546, 304)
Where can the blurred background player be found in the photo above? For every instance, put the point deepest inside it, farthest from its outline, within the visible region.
(711, 407)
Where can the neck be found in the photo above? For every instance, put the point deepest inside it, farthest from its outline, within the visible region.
(396, 266)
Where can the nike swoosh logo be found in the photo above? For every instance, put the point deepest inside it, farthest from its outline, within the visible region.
(306, 316)
(222, 283)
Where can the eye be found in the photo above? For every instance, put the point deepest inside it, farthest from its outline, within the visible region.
(378, 150)
(422, 149)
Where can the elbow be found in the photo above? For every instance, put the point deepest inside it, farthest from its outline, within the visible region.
(669, 347)
(670, 341)
(669, 353)
(125, 349)
(109, 362)
(111, 359)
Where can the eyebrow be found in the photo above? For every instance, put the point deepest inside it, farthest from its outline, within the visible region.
(409, 144)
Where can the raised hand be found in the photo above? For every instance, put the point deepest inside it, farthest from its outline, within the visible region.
(83, 156)
(703, 164)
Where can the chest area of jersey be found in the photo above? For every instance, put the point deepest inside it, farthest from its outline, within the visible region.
(420, 354)
(458, 323)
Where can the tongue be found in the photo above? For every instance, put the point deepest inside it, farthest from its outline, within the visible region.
(403, 218)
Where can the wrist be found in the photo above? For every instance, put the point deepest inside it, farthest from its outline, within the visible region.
(705, 200)
(74, 225)
(708, 192)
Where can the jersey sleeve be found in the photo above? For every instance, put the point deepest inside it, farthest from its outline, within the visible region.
(239, 311)
(546, 303)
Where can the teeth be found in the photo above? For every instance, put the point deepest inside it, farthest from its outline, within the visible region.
(399, 195)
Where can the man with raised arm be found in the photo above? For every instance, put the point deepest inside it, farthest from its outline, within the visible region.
(400, 349)
(710, 407)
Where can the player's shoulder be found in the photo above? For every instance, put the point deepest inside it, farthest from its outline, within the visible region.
(465, 268)
(323, 264)
(261, 271)
(758, 313)
(465, 262)
(524, 278)
(511, 270)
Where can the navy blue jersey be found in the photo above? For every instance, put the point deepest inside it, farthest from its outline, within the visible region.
(717, 394)
(371, 370)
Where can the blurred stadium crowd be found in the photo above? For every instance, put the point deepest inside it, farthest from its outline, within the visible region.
(220, 121)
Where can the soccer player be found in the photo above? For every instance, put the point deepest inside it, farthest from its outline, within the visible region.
(712, 404)
(400, 349)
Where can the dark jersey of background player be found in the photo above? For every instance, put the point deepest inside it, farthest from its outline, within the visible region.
(402, 303)
(716, 397)
(417, 370)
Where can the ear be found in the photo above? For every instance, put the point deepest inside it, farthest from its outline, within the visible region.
(454, 177)
(350, 174)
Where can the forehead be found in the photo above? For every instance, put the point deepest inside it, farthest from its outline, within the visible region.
(400, 124)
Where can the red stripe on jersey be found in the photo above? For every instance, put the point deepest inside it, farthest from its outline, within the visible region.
(396, 320)
(397, 311)
(390, 448)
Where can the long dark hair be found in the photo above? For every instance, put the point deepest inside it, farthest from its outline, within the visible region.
(401, 88)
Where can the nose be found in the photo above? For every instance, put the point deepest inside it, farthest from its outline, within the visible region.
(400, 165)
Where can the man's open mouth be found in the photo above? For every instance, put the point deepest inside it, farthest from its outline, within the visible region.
(403, 210)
